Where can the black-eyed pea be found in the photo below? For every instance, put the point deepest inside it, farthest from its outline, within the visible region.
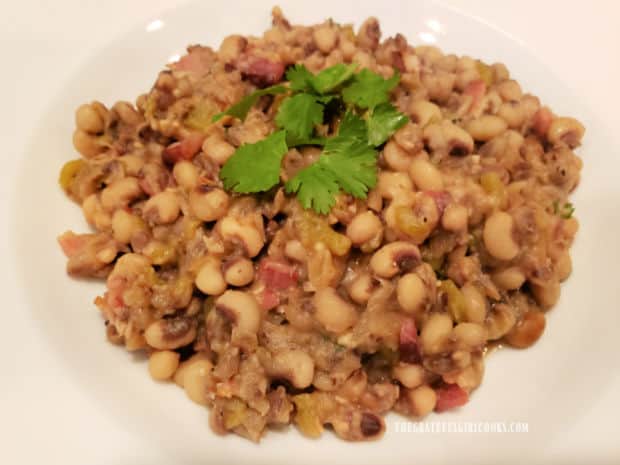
(409, 138)
(393, 184)
(217, 149)
(179, 374)
(509, 90)
(163, 364)
(120, 193)
(396, 157)
(470, 377)
(409, 375)
(231, 47)
(509, 279)
(425, 175)
(411, 293)
(469, 336)
(563, 266)
(499, 322)
(295, 250)
(208, 203)
(449, 138)
(239, 272)
(168, 334)
(294, 365)
(527, 331)
(486, 127)
(185, 174)
(395, 257)
(162, 208)
(512, 113)
(125, 225)
(361, 288)
(546, 295)
(364, 227)
(249, 235)
(455, 218)
(565, 130)
(95, 214)
(86, 144)
(197, 379)
(353, 388)
(333, 312)
(435, 333)
(241, 309)
(89, 119)
(325, 37)
(422, 400)
(209, 279)
(498, 238)
(424, 112)
(132, 164)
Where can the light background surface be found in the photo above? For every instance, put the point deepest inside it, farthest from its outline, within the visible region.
(46, 418)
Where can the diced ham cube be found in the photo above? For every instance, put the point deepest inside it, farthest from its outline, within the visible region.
(408, 342)
(450, 396)
(184, 149)
(277, 275)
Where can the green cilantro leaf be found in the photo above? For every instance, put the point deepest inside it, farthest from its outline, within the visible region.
(255, 167)
(369, 89)
(384, 121)
(299, 77)
(298, 115)
(330, 78)
(315, 187)
(565, 211)
(325, 81)
(241, 108)
(351, 126)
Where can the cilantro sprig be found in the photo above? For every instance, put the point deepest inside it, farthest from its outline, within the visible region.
(348, 162)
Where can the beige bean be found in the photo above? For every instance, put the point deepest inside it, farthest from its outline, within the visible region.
(513, 113)
(546, 296)
(497, 236)
(564, 266)
(295, 250)
(425, 175)
(208, 204)
(127, 113)
(411, 293)
(120, 193)
(396, 157)
(295, 365)
(185, 174)
(252, 239)
(394, 258)
(409, 139)
(455, 217)
(179, 374)
(197, 380)
(217, 149)
(95, 214)
(447, 137)
(242, 309)
(422, 400)
(509, 90)
(486, 127)
(500, 320)
(162, 208)
(409, 375)
(163, 364)
(509, 279)
(209, 278)
(239, 272)
(435, 333)
(125, 225)
(469, 336)
(170, 333)
(527, 331)
(325, 38)
(231, 47)
(88, 119)
(132, 164)
(424, 112)
(364, 227)
(86, 144)
(333, 312)
(391, 185)
(565, 130)
(361, 288)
